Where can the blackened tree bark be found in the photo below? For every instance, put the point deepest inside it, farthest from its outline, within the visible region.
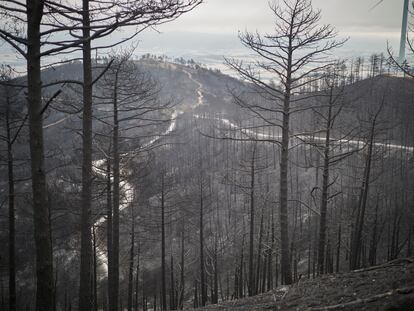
(85, 290)
(13, 125)
(356, 240)
(137, 281)
(297, 50)
(131, 263)
(12, 220)
(182, 275)
(95, 273)
(251, 287)
(203, 287)
(116, 200)
(173, 301)
(284, 162)
(44, 260)
(163, 269)
(109, 228)
(35, 42)
(259, 257)
(325, 185)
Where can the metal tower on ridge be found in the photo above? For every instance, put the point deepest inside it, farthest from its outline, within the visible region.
(401, 57)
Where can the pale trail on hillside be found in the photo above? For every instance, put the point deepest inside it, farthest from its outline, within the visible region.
(126, 188)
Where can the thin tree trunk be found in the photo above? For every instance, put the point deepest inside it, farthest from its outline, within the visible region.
(12, 233)
(283, 197)
(265, 260)
(85, 290)
(109, 231)
(214, 298)
(259, 257)
(182, 279)
(95, 276)
(116, 199)
(137, 281)
(357, 236)
(203, 288)
(373, 248)
(55, 286)
(325, 190)
(251, 287)
(270, 261)
(163, 277)
(241, 278)
(338, 249)
(42, 234)
(277, 270)
(131, 264)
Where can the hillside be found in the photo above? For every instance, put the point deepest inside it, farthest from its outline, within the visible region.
(219, 171)
(388, 287)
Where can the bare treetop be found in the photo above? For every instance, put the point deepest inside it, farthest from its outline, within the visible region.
(61, 21)
(298, 45)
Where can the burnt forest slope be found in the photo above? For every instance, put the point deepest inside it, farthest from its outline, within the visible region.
(385, 287)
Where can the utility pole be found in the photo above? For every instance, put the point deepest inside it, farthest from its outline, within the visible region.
(403, 39)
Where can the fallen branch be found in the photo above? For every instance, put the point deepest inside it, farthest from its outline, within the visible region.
(405, 290)
(388, 264)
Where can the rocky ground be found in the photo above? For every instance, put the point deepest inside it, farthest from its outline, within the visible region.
(385, 287)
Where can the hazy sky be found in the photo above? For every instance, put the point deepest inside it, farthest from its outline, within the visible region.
(210, 31)
(220, 20)
(228, 16)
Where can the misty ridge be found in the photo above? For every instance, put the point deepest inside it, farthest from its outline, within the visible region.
(273, 171)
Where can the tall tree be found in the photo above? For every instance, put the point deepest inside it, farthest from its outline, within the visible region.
(13, 124)
(252, 212)
(297, 50)
(130, 99)
(141, 14)
(35, 30)
(356, 237)
(328, 109)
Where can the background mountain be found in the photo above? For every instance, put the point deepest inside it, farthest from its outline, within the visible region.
(201, 149)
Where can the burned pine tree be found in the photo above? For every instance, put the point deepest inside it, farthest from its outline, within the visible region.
(298, 49)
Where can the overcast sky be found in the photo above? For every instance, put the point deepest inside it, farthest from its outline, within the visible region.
(228, 16)
(368, 28)
(209, 32)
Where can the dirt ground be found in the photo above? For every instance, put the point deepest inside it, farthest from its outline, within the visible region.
(388, 287)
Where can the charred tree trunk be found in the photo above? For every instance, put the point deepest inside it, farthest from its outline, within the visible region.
(325, 188)
(85, 290)
(356, 243)
(42, 234)
(182, 278)
(203, 288)
(116, 200)
(109, 231)
(251, 287)
(338, 248)
(163, 270)
(11, 197)
(283, 196)
(270, 260)
(173, 304)
(131, 264)
(241, 273)
(259, 257)
(95, 276)
(374, 240)
(137, 281)
(214, 297)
